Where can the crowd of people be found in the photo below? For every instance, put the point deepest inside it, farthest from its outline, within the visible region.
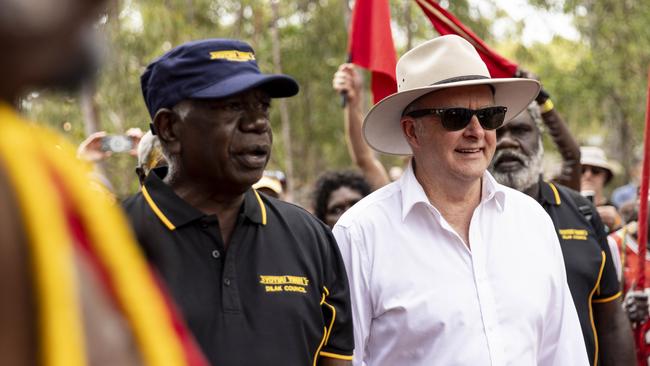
(464, 255)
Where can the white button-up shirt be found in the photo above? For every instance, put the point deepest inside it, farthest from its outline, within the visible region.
(420, 296)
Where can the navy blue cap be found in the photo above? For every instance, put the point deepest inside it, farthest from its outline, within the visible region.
(208, 69)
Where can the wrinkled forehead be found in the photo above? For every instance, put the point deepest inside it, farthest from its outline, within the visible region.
(525, 117)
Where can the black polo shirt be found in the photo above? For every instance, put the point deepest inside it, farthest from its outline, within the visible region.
(277, 296)
(590, 270)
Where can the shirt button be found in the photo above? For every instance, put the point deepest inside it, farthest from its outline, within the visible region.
(226, 281)
(204, 225)
(216, 254)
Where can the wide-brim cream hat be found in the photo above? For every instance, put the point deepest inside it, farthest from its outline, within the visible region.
(595, 156)
(443, 62)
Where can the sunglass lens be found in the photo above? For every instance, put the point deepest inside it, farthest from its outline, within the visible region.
(454, 119)
(492, 117)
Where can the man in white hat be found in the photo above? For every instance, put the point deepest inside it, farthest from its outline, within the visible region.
(446, 266)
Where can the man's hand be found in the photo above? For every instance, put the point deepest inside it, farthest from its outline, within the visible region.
(635, 305)
(347, 80)
(136, 135)
(610, 216)
(543, 94)
(90, 149)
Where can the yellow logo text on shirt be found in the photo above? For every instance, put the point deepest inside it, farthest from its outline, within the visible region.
(232, 55)
(284, 283)
(575, 234)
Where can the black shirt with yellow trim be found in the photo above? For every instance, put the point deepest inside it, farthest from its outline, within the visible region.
(590, 271)
(277, 296)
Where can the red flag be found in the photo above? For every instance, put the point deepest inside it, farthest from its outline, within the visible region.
(643, 228)
(446, 23)
(371, 45)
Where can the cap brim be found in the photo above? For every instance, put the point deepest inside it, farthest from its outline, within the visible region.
(382, 129)
(276, 85)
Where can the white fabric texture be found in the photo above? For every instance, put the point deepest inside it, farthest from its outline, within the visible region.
(421, 297)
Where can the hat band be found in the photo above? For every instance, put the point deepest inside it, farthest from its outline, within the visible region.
(460, 78)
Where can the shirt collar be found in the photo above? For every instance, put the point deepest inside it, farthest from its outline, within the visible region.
(174, 212)
(413, 193)
(548, 193)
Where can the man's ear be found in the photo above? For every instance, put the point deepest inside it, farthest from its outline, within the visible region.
(408, 128)
(165, 122)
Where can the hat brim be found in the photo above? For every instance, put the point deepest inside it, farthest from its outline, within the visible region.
(382, 129)
(276, 85)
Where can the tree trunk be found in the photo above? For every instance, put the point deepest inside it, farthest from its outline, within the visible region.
(89, 108)
(282, 104)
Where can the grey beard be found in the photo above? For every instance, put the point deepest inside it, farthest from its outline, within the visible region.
(524, 178)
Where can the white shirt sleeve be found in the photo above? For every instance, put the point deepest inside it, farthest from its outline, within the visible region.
(562, 341)
(356, 263)
(616, 257)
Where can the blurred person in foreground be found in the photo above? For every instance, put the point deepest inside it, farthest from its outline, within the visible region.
(446, 266)
(635, 300)
(260, 281)
(335, 192)
(590, 269)
(597, 172)
(74, 288)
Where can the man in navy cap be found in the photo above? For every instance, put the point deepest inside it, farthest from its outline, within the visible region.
(260, 281)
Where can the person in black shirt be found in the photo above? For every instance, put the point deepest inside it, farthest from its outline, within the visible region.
(260, 281)
(592, 279)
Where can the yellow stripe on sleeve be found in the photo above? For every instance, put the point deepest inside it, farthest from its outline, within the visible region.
(337, 356)
(608, 299)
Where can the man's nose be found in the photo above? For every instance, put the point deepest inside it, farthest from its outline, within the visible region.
(256, 120)
(474, 128)
(506, 140)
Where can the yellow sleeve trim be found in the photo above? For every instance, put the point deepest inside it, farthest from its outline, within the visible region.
(608, 299)
(555, 193)
(591, 311)
(337, 356)
(333, 309)
(322, 342)
(156, 210)
(262, 207)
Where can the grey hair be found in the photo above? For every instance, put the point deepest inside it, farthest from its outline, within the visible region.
(536, 114)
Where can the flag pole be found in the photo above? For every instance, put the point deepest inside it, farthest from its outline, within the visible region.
(643, 216)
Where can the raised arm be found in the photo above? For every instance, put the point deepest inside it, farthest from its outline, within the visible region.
(347, 80)
(566, 144)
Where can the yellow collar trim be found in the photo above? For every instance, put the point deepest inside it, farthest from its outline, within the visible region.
(555, 193)
(262, 207)
(156, 210)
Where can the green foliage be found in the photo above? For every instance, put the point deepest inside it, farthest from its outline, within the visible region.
(604, 91)
(599, 79)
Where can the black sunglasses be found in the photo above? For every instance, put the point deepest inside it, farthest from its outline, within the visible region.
(454, 119)
(593, 169)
